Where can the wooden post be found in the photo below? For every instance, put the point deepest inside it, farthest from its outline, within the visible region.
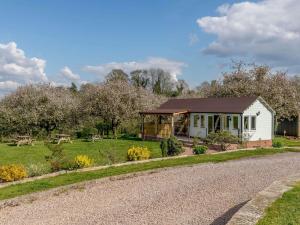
(156, 125)
(298, 125)
(143, 129)
(172, 124)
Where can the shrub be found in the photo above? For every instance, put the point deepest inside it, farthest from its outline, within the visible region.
(174, 146)
(277, 144)
(223, 138)
(195, 141)
(87, 131)
(138, 153)
(12, 172)
(82, 161)
(164, 148)
(37, 169)
(199, 149)
(57, 159)
(109, 154)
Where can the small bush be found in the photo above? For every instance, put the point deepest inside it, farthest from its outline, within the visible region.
(82, 161)
(195, 141)
(138, 153)
(223, 138)
(164, 148)
(109, 154)
(37, 169)
(277, 144)
(87, 131)
(174, 146)
(200, 149)
(57, 159)
(12, 172)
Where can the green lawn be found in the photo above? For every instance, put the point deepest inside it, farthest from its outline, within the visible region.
(284, 211)
(288, 142)
(44, 184)
(27, 155)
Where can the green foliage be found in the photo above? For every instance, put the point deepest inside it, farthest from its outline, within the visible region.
(110, 155)
(66, 179)
(174, 146)
(88, 131)
(164, 147)
(285, 210)
(277, 144)
(106, 151)
(103, 127)
(195, 141)
(37, 169)
(57, 159)
(223, 138)
(73, 88)
(199, 149)
(290, 142)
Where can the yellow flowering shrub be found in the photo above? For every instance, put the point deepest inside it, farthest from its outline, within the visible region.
(82, 161)
(138, 153)
(12, 172)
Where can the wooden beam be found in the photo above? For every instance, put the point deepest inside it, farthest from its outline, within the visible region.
(172, 125)
(143, 129)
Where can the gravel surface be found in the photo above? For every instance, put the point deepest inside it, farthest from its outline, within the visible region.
(199, 194)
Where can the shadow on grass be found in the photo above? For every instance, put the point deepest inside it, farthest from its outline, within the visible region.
(224, 218)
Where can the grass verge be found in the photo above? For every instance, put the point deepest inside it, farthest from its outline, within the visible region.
(284, 211)
(288, 142)
(66, 179)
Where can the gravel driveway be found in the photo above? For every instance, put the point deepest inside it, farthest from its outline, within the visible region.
(199, 194)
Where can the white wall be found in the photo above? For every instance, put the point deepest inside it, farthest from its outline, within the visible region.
(197, 131)
(264, 122)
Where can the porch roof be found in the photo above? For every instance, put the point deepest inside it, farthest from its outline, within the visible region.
(165, 111)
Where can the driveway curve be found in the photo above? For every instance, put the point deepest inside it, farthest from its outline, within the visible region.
(198, 194)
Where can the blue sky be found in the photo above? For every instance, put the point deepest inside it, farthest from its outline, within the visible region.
(86, 36)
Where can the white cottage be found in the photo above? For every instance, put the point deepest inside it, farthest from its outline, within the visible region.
(249, 118)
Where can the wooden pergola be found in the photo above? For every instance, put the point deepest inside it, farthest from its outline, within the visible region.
(162, 125)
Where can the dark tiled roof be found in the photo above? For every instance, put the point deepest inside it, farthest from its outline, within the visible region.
(207, 105)
(165, 111)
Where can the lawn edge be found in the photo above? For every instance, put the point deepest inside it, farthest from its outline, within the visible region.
(95, 168)
(7, 200)
(255, 209)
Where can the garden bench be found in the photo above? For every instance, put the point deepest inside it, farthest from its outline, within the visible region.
(94, 137)
(23, 140)
(62, 138)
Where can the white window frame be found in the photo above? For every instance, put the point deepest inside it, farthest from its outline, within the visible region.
(248, 118)
(196, 123)
(235, 116)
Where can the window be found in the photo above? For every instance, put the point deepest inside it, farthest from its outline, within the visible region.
(227, 120)
(210, 124)
(202, 120)
(196, 119)
(253, 122)
(235, 122)
(246, 123)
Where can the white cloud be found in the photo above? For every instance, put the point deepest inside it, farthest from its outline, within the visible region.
(67, 73)
(267, 30)
(173, 67)
(8, 85)
(17, 69)
(193, 39)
